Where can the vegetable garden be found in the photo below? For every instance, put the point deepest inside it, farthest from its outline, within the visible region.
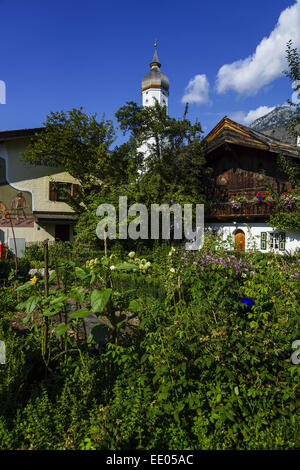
(154, 349)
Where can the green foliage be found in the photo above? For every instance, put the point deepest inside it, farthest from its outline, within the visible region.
(173, 167)
(8, 300)
(7, 266)
(34, 252)
(286, 220)
(184, 365)
(293, 73)
(79, 144)
(75, 141)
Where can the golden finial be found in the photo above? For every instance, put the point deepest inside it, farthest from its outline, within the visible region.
(155, 42)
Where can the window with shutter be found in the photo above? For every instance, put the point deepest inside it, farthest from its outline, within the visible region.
(274, 240)
(74, 189)
(282, 241)
(263, 240)
(57, 190)
(52, 192)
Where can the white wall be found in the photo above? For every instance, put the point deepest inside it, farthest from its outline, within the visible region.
(253, 234)
(35, 179)
(155, 93)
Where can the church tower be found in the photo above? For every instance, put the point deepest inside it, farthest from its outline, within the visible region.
(155, 84)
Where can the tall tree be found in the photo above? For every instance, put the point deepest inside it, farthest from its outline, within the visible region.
(283, 219)
(169, 154)
(79, 144)
(293, 73)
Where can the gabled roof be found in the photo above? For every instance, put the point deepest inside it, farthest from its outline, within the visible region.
(228, 131)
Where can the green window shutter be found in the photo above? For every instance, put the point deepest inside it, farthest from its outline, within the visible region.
(282, 241)
(263, 240)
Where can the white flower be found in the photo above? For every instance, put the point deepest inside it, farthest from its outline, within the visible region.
(112, 267)
(131, 254)
(172, 270)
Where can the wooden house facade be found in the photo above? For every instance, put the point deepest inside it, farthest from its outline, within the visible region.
(245, 166)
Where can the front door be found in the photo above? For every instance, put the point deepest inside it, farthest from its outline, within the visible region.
(240, 240)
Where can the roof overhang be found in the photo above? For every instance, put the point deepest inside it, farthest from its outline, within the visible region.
(53, 217)
(230, 132)
(19, 133)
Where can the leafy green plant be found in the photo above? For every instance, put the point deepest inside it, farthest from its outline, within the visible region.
(184, 365)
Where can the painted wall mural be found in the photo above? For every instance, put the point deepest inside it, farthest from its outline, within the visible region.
(15, 205)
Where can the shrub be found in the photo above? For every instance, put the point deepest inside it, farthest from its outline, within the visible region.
(6, 266)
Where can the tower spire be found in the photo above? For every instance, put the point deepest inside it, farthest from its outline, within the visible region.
(155, 62)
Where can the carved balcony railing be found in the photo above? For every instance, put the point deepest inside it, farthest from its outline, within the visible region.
(225, 208)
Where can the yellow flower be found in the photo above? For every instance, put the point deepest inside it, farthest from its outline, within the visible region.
(34, 280)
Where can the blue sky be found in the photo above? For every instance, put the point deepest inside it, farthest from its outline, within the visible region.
(225, 58)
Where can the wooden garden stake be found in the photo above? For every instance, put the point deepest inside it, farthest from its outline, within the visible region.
(105, 242)
(59, 315)
(46, 284)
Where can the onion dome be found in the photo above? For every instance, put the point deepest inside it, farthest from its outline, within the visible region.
(155, 78)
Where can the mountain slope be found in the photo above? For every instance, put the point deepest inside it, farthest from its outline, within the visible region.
(280, 116)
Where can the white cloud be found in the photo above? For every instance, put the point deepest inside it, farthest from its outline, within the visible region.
(247, 118)
(248, 75)
(197, 90)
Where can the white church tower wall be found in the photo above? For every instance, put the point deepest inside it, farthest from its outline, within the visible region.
(155, 86)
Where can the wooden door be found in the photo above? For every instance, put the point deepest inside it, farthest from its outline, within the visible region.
(239, 239)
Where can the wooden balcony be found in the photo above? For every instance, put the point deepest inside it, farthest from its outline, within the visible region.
(261, 210)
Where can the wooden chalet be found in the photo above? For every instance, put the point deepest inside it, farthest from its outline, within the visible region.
(245, 161)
